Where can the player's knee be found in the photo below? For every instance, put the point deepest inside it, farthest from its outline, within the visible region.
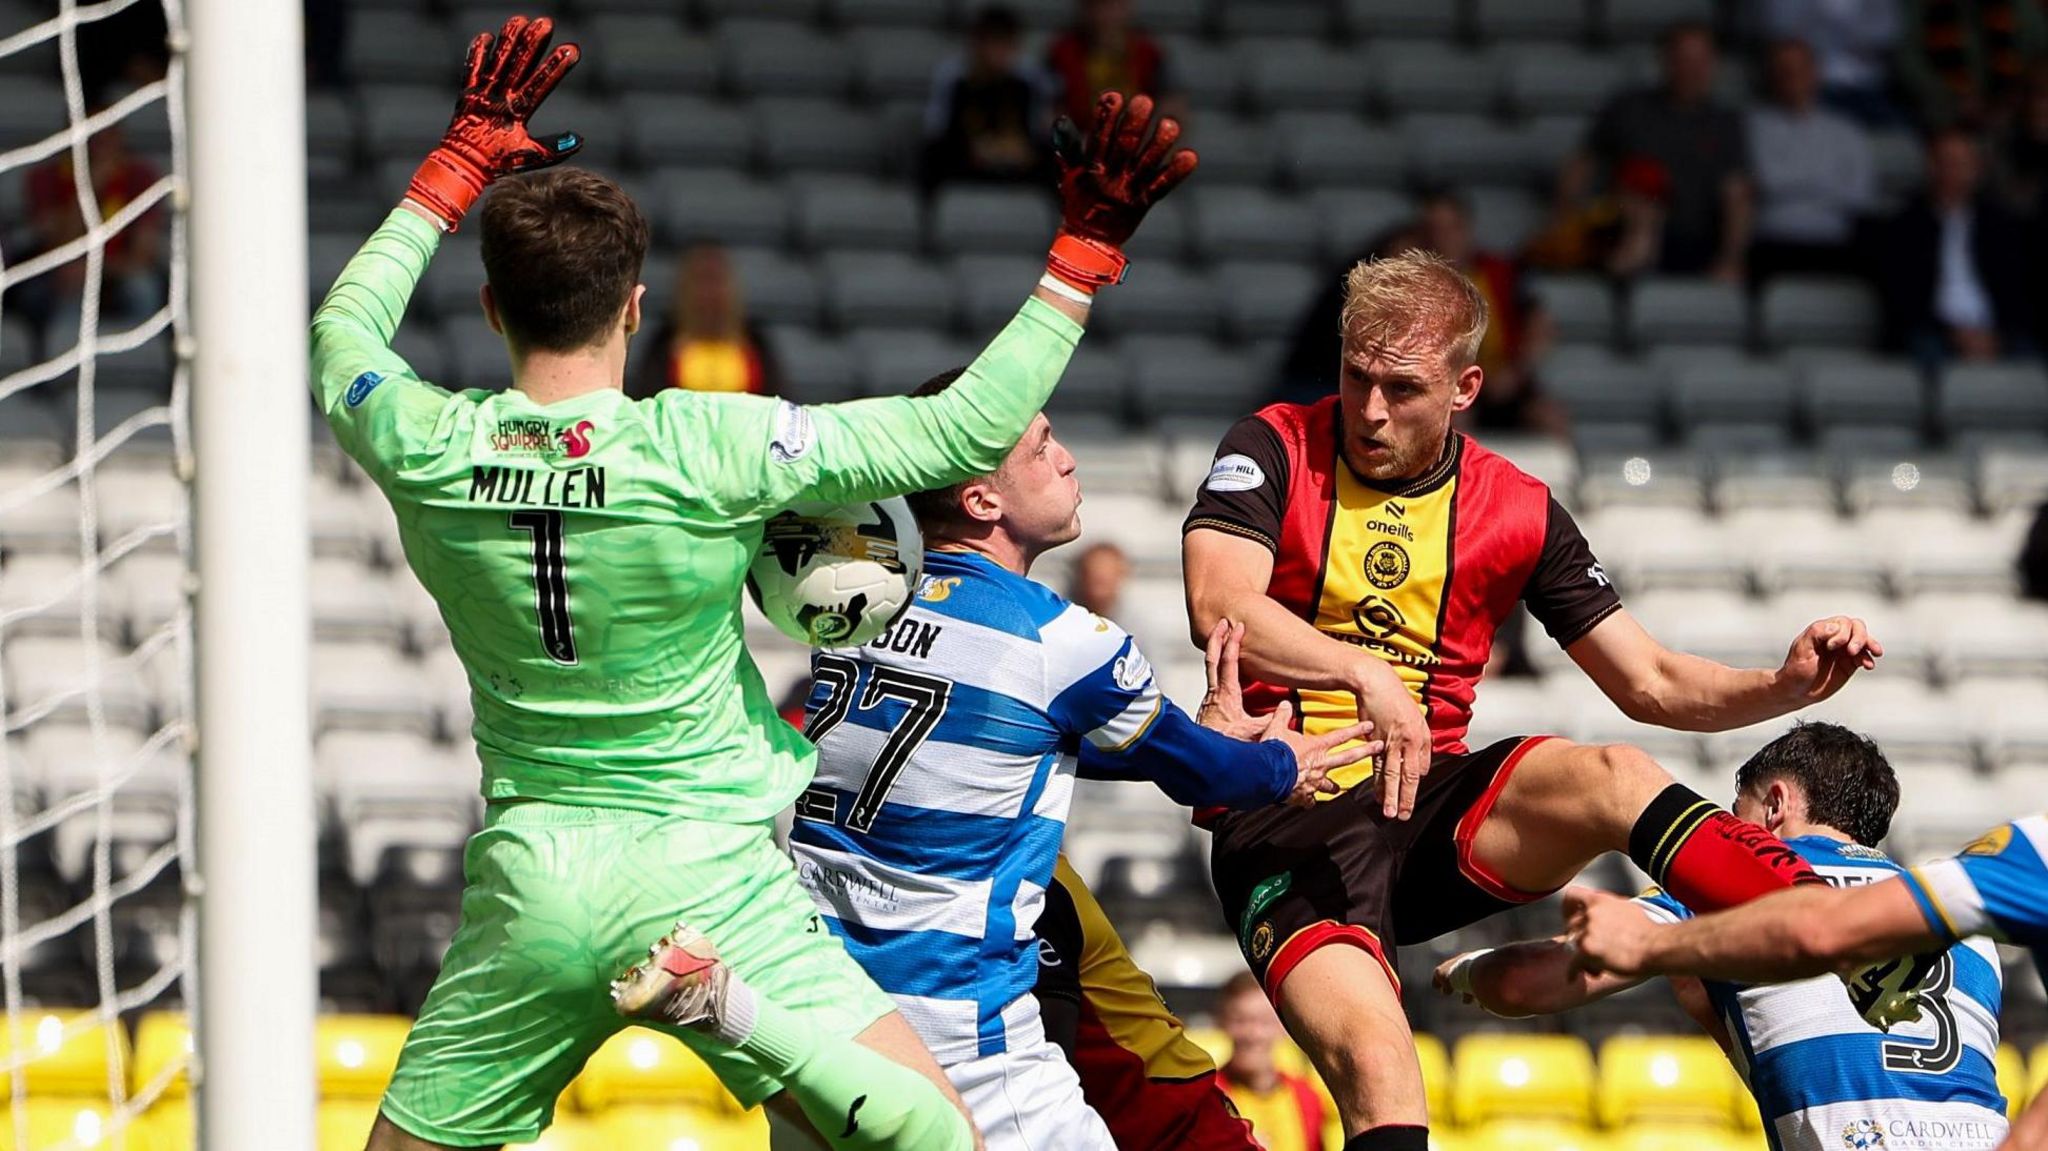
(1624, 776)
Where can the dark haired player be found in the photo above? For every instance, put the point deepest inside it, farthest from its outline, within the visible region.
(587, 553)
(1816, 1067)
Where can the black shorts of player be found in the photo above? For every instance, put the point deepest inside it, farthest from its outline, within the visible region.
(1294, 880)
(1059, 968)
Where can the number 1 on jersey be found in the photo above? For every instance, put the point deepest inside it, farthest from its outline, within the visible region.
(550, 582)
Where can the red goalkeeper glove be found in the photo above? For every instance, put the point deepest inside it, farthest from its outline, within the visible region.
(1108, 181)
(488, 137)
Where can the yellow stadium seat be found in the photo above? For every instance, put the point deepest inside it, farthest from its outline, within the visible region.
(638, 1066)
(67, 1053)
(354, 1055)
(344, 1124)
(75, 1123)
(2037, 1081)
(1682, 1137)
(1213, 1041)
(1501, 1076)
(171, 1125)
(2012, 1078)
(683, 1129)
(1666, 1079)
(570, 1133)
(1534, 1135)
(163, 1040)
(1436, 1075)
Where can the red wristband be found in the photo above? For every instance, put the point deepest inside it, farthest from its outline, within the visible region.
(1084, 263)
(447, 185)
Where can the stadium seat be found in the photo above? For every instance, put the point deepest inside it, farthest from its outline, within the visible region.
(1289, 73)
(1802, 310)
(364, 687)
(1234, 149)
(721, 206)
(354, 1055)
(1905, 480)
(1665, 1079)
(1192, 378)
(31, 108)
(1250, 224)
(51, 674)
(73, 762)
(2012, 480)
(887, 289)
(892, 362)
(879, 13)
(88, 1123)
(1628, 20)
(170, 1125)
(473, 355)
(570, 1133)
(682, 1129)
(1429, 76)
(1503, 219)
(2011, 1068)
(897, 63)
(989, 289)
(1463, 149)
(818, 135)
(798, 11)
(855, 212)
(39, 595)
(1853, 394)
(1596, 386)
(351, 602)
(66, 1053)
(1736, 392)
(1972, 555)
(1264, 300)
(1557, 80)
(778, 288)
(1367, 18)
(1533, 1135)
(1796, 479)
(163, 1047)
(1351, 221)
(1509, 1076)
(1672, 310)
(1339, 151)
(650, 55)
(1507, 20)
(1096, 386)
(668, 128)
(1683, 1137)
(344, 1124)
(1209, 75)
(1901, 161)
(968, 218)
(330, 125)
(1163, 299)
(1994, 397)
(778, 58)
(639, 1067)
(406, 47)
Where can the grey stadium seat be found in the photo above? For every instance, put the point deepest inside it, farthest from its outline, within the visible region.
(770, 58)
(330, 125)
(1350, 219)
(31, 108)
(1994, 397)
(855, 212)
(1646, 19)
(721, 206)
(651, 53)
(1234, 150)
(41, 669)
(794, 10)
(1096, 385)
(1849, 395)
(403, 122)
(897, 63)
(778, 288)
(1211, 77)
(818, 135)
(1248, 18)
(1670, 310)
(1452, 149)
(1545, 80)
(351, 601)
(990, 289)
(893, 362)
(688, 130)
(475, 355)
(454, 278)
(1597, 386)
(1174, 15)
(1303, 73)
(1428, 76)
(989, 219)
(407, 47)
(1174, 377)
(880, 13)
(1835, 312)
(1337, 149)
(1265, 300)
(423, 350)
(1530, 19)
(1164, 235)
(1901, 161)
(817, 368)
(1580, 307)
(1503, 219)
(1738, 392)
(1245, 223)
(593, 117)
(887, 290)
(1401, 18)
(1162, 298)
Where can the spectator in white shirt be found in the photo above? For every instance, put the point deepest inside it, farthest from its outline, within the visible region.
(1852, 41)
(1815, 179)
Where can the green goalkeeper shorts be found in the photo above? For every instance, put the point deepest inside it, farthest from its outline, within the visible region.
(560, 900)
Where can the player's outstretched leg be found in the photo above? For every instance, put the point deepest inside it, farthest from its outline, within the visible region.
(854, 1097)
(1341, 1005)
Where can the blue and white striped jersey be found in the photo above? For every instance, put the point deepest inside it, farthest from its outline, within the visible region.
(1825, 1079)
(947, 753)
(1998, 886)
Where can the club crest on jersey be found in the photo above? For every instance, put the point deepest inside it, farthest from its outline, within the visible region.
(1234, 473)
(1863, 1135)
(1386, 565)
(1993, 842)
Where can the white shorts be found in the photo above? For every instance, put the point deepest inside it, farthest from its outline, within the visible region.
(1029, 1099)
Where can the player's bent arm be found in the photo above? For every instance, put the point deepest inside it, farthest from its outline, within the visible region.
(1532, 978)
(1227, 577)
(1652, 684)
(356, 376)
(1795, 934)
(1194, 766)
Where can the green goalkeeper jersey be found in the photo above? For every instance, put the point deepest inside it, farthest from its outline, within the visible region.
(589, 555)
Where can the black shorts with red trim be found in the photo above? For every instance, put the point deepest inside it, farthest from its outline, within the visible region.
(1294, 880)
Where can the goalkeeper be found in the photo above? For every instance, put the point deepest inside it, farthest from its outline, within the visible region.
(587, 553)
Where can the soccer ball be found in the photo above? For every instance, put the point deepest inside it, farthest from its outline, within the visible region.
(836, 577)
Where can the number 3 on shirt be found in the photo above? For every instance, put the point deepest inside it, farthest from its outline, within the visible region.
(550, 582)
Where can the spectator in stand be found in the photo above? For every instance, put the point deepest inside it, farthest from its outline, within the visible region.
(1953, 263)
(1963, 60)
(1518, 332)
(1101, 572)
(1676, 146)
(2021, 162)
(989, 118)
(1103, 50)
(1815, 176)
(1285, 1112)
(133, 266)
(1853, 42)
(706, 344)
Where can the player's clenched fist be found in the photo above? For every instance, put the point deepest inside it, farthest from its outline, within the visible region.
(1109, 178)
(507, 78)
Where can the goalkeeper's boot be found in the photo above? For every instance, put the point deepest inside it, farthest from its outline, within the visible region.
(1889, 993)
(683, 982)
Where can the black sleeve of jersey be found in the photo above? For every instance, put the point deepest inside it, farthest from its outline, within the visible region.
(1245, 492)
(1569, 592)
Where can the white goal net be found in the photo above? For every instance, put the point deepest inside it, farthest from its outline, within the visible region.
(96, 702)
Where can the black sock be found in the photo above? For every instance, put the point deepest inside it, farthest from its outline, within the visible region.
(1664, 826)
(1392, 1138)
